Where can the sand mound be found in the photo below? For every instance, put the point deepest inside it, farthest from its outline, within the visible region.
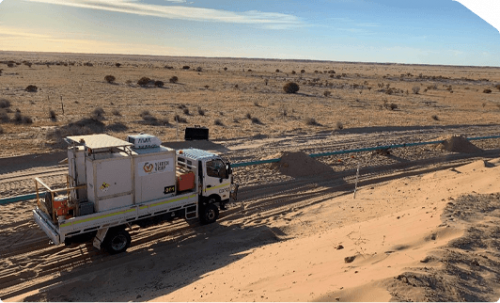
(459, 144)
(298, 164)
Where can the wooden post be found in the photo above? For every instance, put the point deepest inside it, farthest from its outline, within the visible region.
(62, 105)
(356, 183)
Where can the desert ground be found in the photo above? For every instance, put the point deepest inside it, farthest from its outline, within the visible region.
(421, 226)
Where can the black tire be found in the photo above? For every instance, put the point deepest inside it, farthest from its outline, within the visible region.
(117, 241)
(209, 214)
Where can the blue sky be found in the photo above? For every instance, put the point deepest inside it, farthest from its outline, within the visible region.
(423, 31)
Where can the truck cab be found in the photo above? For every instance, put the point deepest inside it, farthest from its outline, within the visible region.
(214, 174)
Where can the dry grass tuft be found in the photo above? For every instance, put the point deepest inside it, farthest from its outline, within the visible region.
(52, 116)
(435, 117)
(159, 83)
(110, 78)
(174, 79)
(186, 67)
(310, 121)
(97, 114)
(4, 103)
(20, 119)
(201, 112)
(340, 125)
(144, 81)
(327, 93)
(256, 120)
(31, 89)
(415, 89)
(487, 91)
(218, 122)
(180, 119)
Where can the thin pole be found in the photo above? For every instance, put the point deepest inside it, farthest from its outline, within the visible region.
(356, 184)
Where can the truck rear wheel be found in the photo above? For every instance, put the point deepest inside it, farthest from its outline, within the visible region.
(117, 241)
(209, 214)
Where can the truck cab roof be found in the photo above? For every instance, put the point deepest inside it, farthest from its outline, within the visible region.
(197, 154)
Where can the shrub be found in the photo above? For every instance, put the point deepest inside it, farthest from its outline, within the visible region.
(249, 70)
(225, 68)
(31, 89)
(52, 115)
(389, 91)
(116, 112)
(435, 117)
(186, 111)
(291, 88)
(415, 89)
(10, 64)
(4, 103)
(302, 71)
(1, 130)
(118, 64)
(97, 114)
(110, 78)
(174, 79)
(169, 67)
(293, 72)
(144, 81)
(185, 67)
(201, 112)
(179, 119)
(487, 91)
(256, 120)
(4, 118)
(199, 69)
(277, 70)
(310, 121)
(218, 122)
(248, 116)
(20, 119)
(206, 86)
(393, 106)
(497, 86)
(340, 125)
(159, 83)
(327, 93)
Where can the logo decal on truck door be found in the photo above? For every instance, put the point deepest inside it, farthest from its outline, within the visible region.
(148, 167)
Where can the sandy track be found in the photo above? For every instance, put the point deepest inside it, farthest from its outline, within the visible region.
(34, 264)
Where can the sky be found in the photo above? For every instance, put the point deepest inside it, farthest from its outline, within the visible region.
(448, 32)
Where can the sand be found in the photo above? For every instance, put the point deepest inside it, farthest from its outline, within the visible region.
(297, 251)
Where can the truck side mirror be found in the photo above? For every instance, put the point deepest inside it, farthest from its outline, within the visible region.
(228, 169)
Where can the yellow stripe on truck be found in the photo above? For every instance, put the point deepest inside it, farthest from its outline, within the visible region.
(125, 211)
(215, 187)
(97, 218)
(166, 202)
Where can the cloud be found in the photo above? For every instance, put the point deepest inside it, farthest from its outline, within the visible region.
(14, 32)
(264, 19)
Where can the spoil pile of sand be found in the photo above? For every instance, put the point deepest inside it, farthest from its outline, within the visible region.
(298, 164)
(459, 144)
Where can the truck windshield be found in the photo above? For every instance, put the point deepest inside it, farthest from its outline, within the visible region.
(217, 169)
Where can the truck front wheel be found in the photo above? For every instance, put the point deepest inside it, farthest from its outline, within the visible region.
(209, 214)
(117, 241)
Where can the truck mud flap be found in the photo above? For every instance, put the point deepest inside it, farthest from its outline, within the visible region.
(47, 226)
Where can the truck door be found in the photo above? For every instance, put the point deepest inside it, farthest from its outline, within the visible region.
(216, 179)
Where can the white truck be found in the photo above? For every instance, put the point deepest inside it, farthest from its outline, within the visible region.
(113, 184)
